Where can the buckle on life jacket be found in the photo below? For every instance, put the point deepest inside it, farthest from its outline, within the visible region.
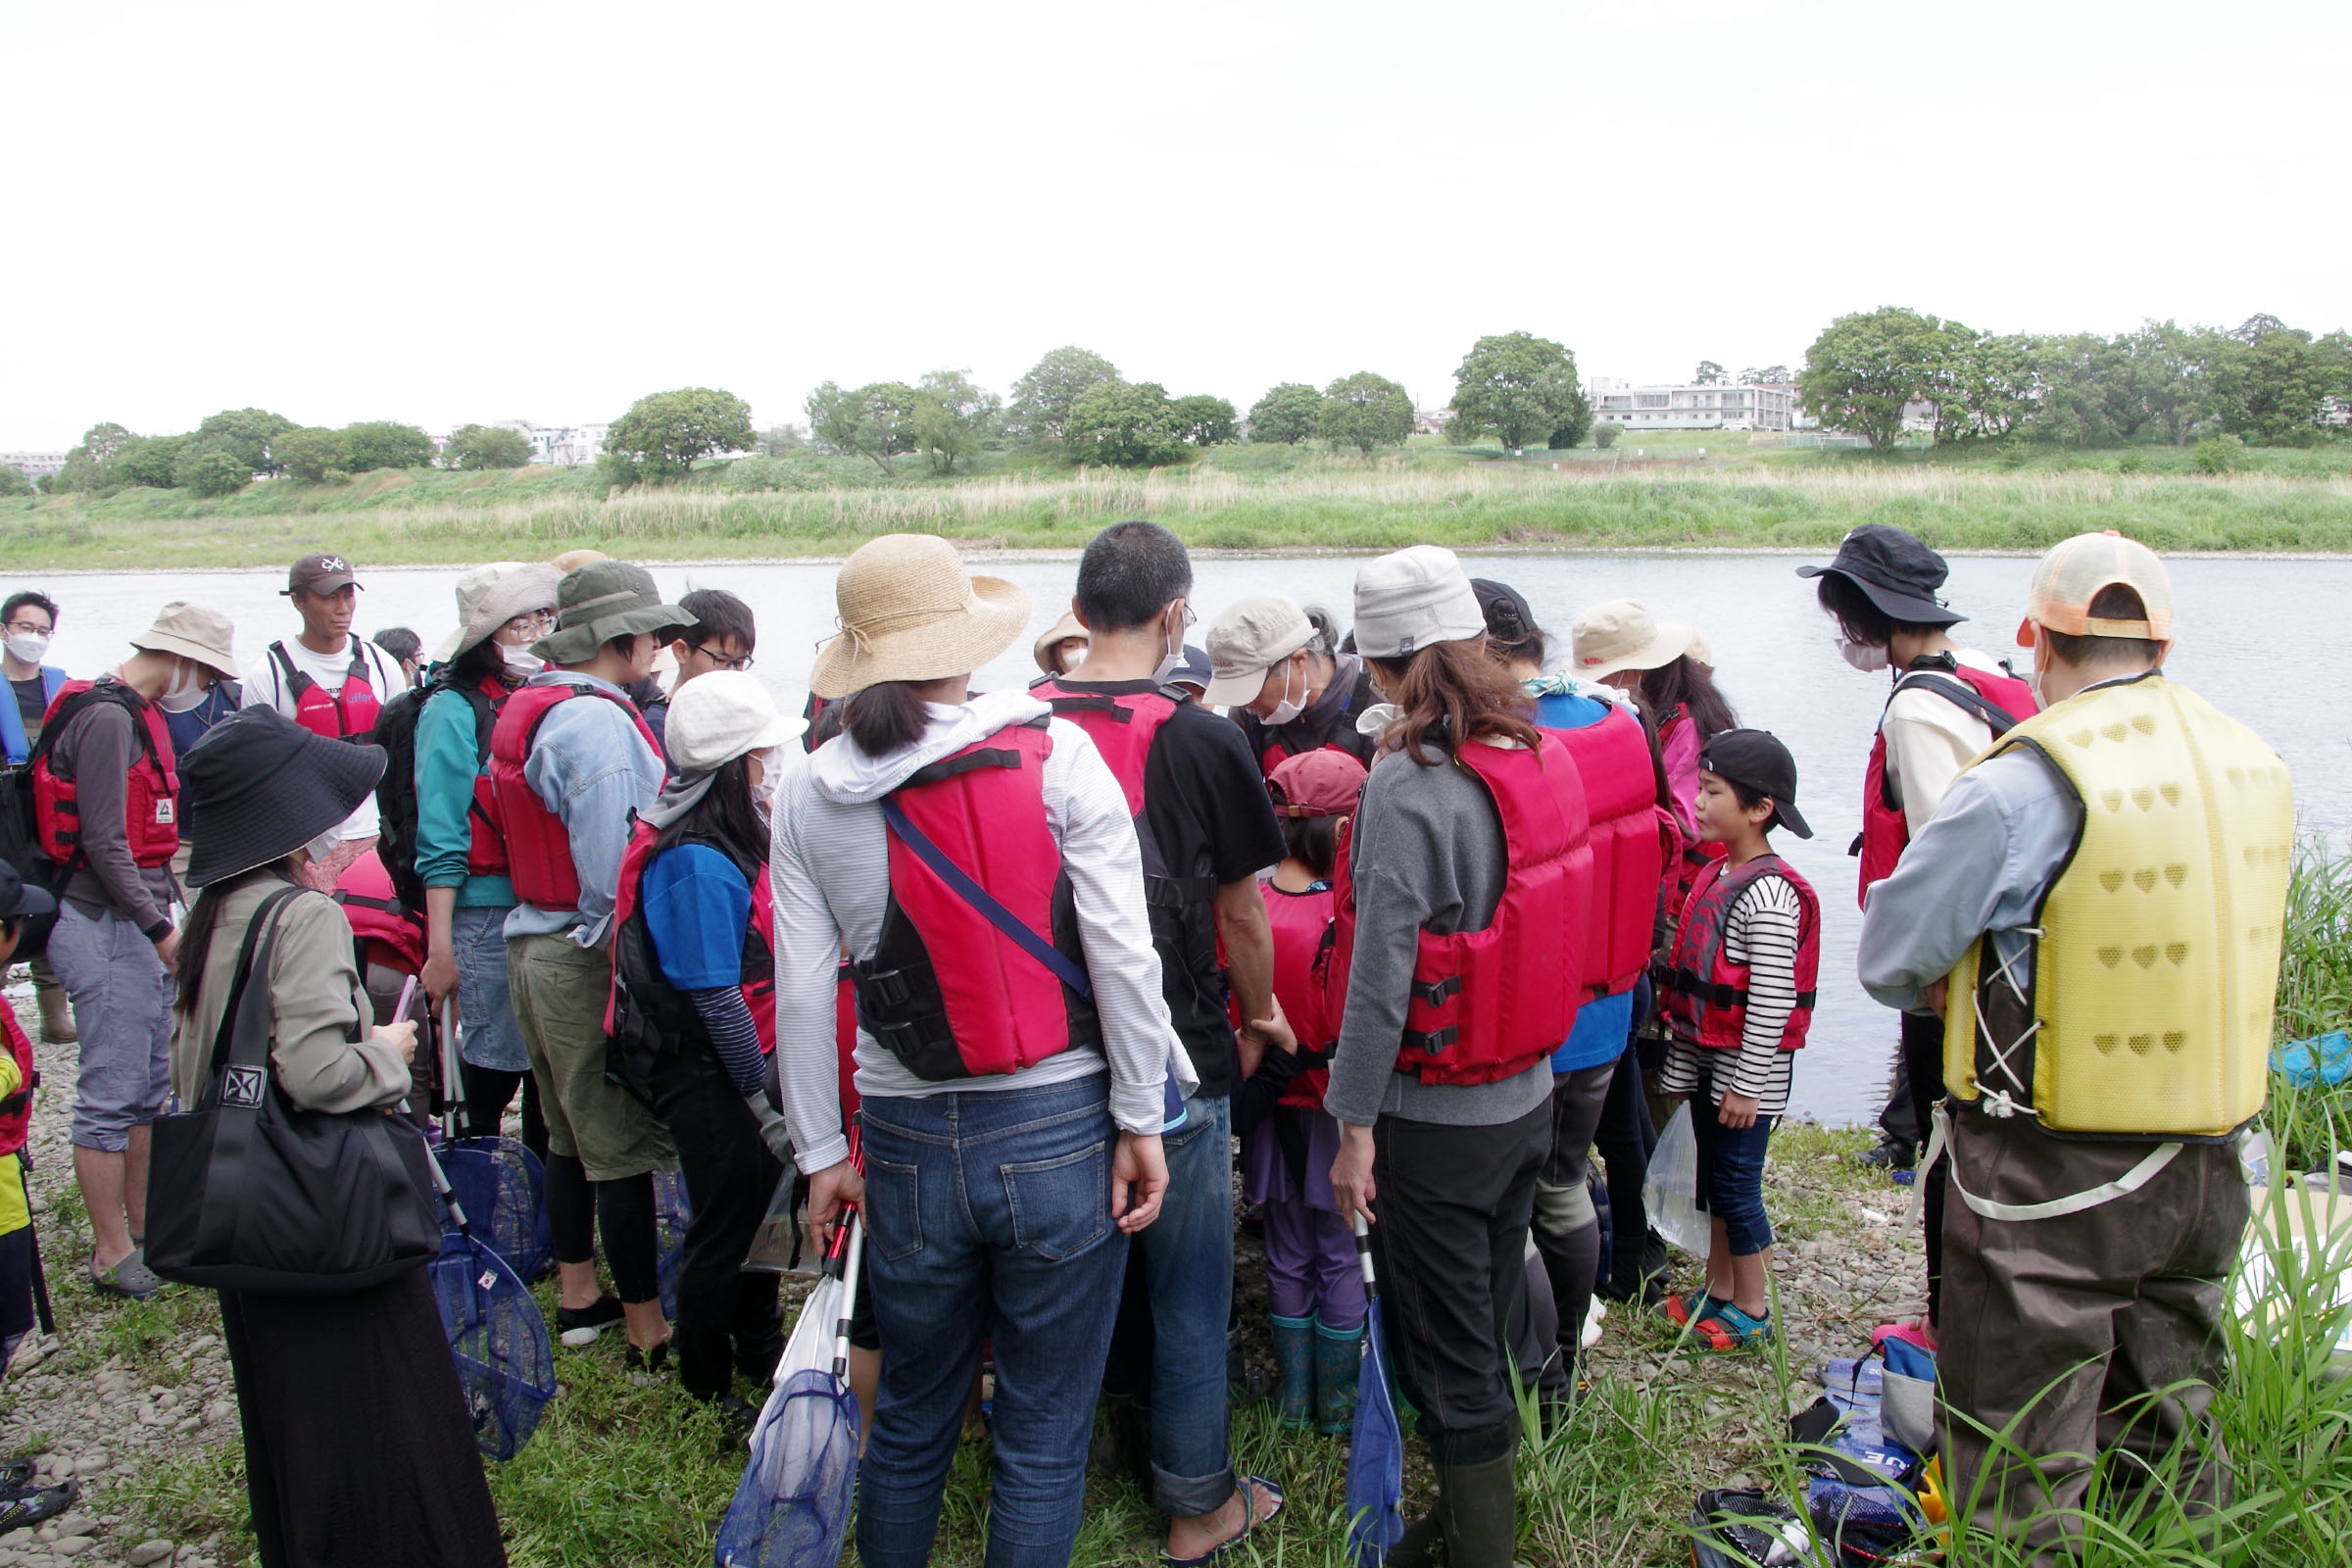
(1438, 992)
(885, 988)
(1431, 1041)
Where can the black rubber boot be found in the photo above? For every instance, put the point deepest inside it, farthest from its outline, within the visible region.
(1478, 1507)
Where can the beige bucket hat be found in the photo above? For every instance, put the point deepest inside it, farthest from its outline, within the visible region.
(909, 611)
(1622, 634)
(1054, 636)
(193, 632)
(473, 590)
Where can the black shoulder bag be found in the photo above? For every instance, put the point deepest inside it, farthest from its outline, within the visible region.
(247, 1192)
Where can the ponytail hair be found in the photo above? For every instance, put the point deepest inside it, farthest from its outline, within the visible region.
(885, 717)
(1453, 693)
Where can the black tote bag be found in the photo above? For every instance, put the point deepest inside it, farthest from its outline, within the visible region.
(250, 1193)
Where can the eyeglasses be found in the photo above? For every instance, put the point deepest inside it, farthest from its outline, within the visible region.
(530, 622)
(745, 663)
(29, 628)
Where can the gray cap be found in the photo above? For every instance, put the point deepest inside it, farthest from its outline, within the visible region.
(1412, 598)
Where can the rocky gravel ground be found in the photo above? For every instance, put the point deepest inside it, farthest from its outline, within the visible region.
(133, 1401)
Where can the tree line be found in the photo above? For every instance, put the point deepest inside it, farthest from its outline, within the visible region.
(236, 446)
(2263, 381)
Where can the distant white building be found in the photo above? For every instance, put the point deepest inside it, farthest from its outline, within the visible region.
(565, 446)
(36, 465)
(1431, 421)
(1694, 406)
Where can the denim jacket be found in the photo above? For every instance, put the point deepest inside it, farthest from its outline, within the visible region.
(594, 770)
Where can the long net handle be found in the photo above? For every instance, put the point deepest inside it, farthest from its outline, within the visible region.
(852, 1257)
(1363, 1256)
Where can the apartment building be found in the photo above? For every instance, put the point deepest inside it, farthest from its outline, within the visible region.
(1694, 404)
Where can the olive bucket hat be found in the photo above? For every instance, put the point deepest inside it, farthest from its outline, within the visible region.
(604, 599)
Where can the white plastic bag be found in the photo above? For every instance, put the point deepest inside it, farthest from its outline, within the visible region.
(1670, 1192)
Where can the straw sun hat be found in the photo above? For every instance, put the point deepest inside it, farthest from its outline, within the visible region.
(909, 611)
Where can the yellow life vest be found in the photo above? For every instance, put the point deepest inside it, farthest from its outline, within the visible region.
(2143, 1007)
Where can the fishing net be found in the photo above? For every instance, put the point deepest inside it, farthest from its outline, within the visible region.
(672, 1213)
(498, 1336)
(792, 1507)
(1375, 1456)
(504, 1192)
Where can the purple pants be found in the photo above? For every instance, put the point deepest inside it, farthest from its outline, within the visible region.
(1311, 1267)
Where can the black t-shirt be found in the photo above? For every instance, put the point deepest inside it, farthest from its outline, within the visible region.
(32, 702)
(1330, 723)
(1206, 807)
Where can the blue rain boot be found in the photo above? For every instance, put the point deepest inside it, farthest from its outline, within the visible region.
(1294, 1359)
(1339, 1363)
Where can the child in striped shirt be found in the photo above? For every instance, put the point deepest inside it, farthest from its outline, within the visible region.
(1739, 997)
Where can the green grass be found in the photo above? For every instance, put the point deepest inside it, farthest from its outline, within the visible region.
(1738, 495)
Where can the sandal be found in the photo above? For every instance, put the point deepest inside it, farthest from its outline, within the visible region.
(129, 1277)
(1248, 1491)
(1726, 1328)
(32, 1507)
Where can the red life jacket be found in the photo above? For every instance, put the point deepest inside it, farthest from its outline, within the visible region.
(1632, 841)
(15, 1111)
(1488, 1003)
(1999, 700)
(1706, 992)
(387, 931)
(946, 992)
(1302, 943)
(638, 982)
(347, 716)
(537, 844)
(485, 843)
(151, 802)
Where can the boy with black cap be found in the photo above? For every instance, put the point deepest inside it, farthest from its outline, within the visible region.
(1738, 1000)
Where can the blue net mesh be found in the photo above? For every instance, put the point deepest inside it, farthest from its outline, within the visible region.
(498, 1336)
(503, 1190)
(792, 1507)
(671, 1211)
(1375, 1457)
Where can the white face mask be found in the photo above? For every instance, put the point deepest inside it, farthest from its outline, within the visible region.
(320, 847)
(186, 692)
(771, 763)
(1868, 657)
(1286, 710)
(27, 647)
(521, 663)
(1171, 660)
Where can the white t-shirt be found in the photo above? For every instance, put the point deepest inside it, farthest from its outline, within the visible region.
(1930, 739)
(266, 686)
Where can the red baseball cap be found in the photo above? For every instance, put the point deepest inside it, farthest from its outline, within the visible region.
(1319, 783)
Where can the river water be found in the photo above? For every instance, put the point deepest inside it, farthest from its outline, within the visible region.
(2247, 639)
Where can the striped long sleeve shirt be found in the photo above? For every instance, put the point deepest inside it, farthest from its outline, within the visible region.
(1762, 932)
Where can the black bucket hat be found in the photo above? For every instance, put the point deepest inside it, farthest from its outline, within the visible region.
(259, 786)
(1895, 571)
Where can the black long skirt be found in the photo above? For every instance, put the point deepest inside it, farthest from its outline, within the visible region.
(358, 1449)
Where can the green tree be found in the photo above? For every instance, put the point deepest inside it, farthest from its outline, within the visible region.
(1983, 385)
(91, 466)
(2267, 385)
(311, 453)
(245, 434)
(1770, 374)
(212, 472)
(1364, 411)
(876, 421)
(1605, 435)
(1864, 368)
(1123, 426)
(373, 444)
(153, 459)
(1042, 398)
(952, 418)
(1289, 414)
(664, 434)
(486, 445)
(1206, 421)
(780, 439)
(13, 481)
(1709, 373)
(1519, 388)
(2170, 367)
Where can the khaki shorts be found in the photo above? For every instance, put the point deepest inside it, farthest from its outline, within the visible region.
(558, 991)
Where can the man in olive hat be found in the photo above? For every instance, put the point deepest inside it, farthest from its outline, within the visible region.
(570, 762)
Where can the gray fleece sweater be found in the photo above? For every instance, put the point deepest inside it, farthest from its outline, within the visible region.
(1427, 853)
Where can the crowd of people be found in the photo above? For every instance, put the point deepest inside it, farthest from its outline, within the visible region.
(1410, 920)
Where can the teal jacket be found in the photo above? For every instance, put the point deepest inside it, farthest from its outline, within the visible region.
(449, 758)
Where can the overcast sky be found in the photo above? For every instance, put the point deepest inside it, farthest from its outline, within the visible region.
(443, 213)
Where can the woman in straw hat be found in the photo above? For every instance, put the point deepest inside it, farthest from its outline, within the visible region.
(694, 1011)
(359, 1449)
(1471, 834)
(461, 858)
(1665, 665)
(1010, 1120)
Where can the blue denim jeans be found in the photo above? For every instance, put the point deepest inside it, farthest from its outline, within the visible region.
(492, 1037)
(1170, 1354)
(989, 1214)
(1731, 1175)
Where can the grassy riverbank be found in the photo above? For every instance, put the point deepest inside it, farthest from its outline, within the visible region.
(1669, 496)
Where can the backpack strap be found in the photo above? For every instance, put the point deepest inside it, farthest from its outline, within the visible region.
(291, 682)
(981, 899)
(1960, 693)
(264, 921)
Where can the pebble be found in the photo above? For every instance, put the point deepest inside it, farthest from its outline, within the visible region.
(149, 1551)
(71, 1545)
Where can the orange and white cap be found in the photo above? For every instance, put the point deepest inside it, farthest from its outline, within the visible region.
(2069, 576)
